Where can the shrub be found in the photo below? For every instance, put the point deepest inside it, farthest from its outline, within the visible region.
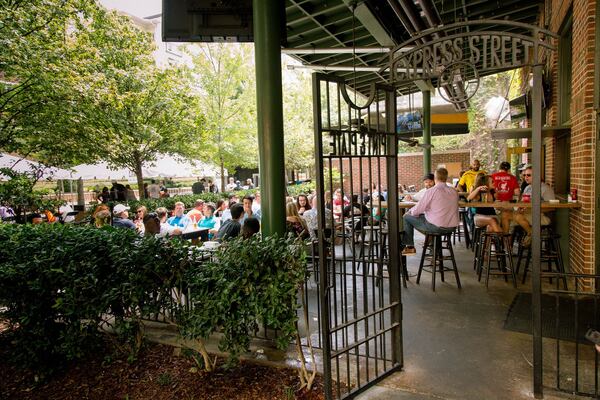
(60, 283)
(303, 188)
(248, 280)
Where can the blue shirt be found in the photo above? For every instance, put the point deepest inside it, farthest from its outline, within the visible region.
(180, 222)
(123, 223)
(207, 222)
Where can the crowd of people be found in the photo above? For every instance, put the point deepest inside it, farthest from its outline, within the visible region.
(436, 208)
(222, 221)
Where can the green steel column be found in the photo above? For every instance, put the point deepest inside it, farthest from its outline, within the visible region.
(426, 131)
(267, 49)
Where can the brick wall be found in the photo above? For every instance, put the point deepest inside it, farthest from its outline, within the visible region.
(583, 142)
(410, 169)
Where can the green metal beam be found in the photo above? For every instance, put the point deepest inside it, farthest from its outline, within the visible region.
(426, 131)
(269, 102)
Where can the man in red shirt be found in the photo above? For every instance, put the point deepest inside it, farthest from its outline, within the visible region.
(507, 187)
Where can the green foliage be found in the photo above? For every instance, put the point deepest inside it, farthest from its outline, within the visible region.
(247, 281)
(228, 93)
(18, 191)
(298, 120)
(303, 188)
(58, 282)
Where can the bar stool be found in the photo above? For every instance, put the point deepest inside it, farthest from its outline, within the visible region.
(495, 246)
(550, 254)
(437, 243)
(461, 228)
(384, 249)
(477, 248)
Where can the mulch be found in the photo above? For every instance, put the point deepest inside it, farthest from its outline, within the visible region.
(157, 374)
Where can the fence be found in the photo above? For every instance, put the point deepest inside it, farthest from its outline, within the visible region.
(569, 309)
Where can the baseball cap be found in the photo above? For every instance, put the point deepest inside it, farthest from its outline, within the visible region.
(119, 208)
(428, 176)
(524, 166)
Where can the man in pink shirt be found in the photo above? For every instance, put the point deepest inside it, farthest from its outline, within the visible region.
(436, 212)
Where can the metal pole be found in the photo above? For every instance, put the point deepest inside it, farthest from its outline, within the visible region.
(395, 267)
(267, 47)
(323, 259)
(536, 297)
(426, 131)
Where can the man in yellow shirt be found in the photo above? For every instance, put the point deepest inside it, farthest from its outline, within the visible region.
(467, 181)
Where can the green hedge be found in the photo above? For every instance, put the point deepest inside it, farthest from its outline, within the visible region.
(58, 284)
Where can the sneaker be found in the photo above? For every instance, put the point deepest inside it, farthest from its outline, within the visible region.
(409, 251)
(526, 242)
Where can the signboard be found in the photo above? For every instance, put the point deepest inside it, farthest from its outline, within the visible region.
(453, 56)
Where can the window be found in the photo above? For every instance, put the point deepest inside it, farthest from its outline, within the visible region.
(565, 66)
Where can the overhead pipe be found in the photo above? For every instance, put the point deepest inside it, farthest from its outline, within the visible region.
(431, 14)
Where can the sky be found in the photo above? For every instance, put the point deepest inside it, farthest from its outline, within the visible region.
(139, 8)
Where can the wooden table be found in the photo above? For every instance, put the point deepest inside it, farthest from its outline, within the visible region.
(505, 205)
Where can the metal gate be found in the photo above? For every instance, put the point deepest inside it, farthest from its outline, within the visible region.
(359, 269)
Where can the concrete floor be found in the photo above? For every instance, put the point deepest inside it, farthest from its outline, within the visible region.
(454, 344)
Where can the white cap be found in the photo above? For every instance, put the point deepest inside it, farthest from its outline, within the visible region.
(119, 208)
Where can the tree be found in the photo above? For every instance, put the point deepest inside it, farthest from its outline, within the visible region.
(149, 113)
(41, 72)
(228, 102)
(298, 121)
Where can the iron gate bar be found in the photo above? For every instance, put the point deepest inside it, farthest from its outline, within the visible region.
(367, 339)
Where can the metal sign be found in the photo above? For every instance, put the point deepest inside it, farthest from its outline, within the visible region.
(454, 56)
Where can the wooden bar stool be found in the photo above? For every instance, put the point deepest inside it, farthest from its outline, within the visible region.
(436, 243)
(496, 247)
(551, 255)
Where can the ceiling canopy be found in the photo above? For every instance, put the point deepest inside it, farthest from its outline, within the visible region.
(347, 37)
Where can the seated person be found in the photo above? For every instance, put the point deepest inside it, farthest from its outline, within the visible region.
(226, 215)
(358, 211)
(311, 218)
(231, 228)
(251, 227)
(436, 212)
(302, 204)
(294, 222)
(151, 224)
(179, 220)
(138, 220)
(121, 217)
(209, 221)
(196, 213)
(248, 211)
(428, 182)
(166, 229)
(483, 191)
(35, 219)
(523, 215)
(507, 187)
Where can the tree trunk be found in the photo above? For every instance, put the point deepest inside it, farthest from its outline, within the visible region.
(222, 176)
(140, 178)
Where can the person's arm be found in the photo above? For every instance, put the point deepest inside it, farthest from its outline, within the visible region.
(474, 193)
(547, 192)
(423, 204)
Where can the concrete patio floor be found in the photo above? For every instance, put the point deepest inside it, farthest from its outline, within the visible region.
(455, 346)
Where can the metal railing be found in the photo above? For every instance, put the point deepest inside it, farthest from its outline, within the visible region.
(571, 361)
